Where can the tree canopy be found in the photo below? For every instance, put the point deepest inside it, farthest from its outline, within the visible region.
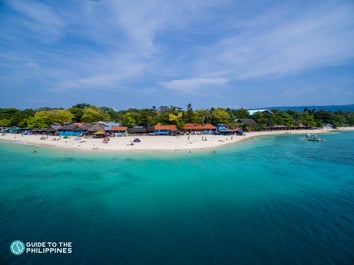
(42, 117)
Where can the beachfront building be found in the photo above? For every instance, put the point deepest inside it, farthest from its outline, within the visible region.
(69, 130)
(165, 129)
(107, 125)
(118, 130)
(113, 128)
(246, 124)
(223, 129)
(91, 128)
(192, 128)
(141, 130)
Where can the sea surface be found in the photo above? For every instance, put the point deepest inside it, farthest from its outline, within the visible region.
(269, 200)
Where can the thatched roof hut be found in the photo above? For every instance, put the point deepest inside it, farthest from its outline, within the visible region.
(90, 128)
(247, 122)
(95, 127)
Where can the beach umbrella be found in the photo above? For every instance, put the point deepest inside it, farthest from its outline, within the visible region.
(136, 140)
(100, 132)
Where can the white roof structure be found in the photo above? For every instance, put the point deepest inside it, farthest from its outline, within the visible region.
(253, 111)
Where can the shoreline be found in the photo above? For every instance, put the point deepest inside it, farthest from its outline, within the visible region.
(152, 143)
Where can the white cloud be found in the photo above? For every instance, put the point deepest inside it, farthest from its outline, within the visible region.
(100, 72)
(40, 19)
(142, 21)
(114, 45)
(288, 43)
(193, 86)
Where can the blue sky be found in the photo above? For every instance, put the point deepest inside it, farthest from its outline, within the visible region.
(211, 53)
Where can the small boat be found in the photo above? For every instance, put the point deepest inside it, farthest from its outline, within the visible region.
(313, 138)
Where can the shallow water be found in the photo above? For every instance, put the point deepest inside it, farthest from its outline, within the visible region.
(271, 200)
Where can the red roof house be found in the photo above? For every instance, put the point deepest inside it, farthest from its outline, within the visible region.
(201, 128)
(164, 129)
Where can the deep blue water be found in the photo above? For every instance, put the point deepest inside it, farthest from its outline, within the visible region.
(271, 200)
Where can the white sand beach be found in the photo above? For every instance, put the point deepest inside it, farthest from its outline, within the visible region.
(149, 143)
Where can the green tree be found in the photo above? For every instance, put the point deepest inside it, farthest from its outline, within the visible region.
(108, 111)
(5, 122)
(19, 117)
(93, 114)
(296, 116)
(288, 120)
(54, 115)
(164, 114)
(188, 117)
(200, 116)
(261, 119)
(7, 116)
(221, 116)
(82, 106)
(128, 119)
(241, 113)
(77, 112)
(146, 117)
(45, 109)
(36, 122)
(177, 119)
(61, 116)
(282, 118)
(337, 120)
(44, 116)
(349, 118)
(308, 119)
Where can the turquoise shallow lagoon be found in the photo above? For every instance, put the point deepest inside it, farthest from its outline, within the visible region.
(271, 200)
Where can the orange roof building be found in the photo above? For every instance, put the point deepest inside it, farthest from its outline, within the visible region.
(164, 129)
(118, 128)
(205, 128)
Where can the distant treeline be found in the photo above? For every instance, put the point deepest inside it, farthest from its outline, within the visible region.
(42, 117)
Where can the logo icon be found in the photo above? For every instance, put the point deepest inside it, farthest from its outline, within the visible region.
(17, 247)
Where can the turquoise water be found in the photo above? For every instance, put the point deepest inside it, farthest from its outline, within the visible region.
(271, 200)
